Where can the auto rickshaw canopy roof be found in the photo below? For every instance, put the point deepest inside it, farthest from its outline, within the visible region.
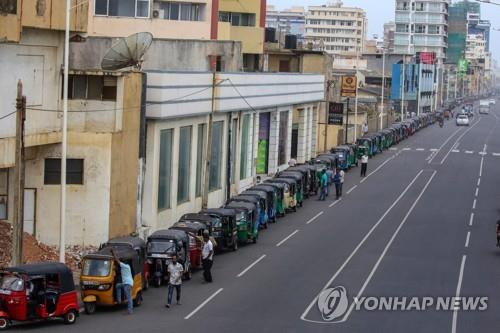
(170, 234)
(66, 282)
(224, 212)
(127, 240)
(203, 218)
(190, 226)
(125, 254)
(248, 206)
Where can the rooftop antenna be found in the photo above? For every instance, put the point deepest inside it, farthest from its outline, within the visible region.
(127, 52)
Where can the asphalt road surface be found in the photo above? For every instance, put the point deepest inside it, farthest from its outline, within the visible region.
(422, 224)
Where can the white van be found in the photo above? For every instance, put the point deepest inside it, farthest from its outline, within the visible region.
(484, 106)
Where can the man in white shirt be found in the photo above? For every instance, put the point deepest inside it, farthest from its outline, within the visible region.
(207, 255)
(175, 271)
(364, 164)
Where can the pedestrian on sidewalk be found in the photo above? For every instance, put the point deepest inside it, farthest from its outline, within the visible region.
(329, 174)
(364, 164)
(126, 282)
(175, 271)
(207, 255)
(323, 182)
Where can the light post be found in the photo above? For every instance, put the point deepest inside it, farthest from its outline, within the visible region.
(383, 90)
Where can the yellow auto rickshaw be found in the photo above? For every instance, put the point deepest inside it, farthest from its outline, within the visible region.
(290, 189)
(99, 277)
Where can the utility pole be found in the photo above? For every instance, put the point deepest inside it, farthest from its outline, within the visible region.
(347, 122)
(208, 145)
(383, 91)
(327, 111)
(18, 221)
(403, 90)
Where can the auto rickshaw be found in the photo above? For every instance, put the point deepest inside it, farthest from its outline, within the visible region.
(270, 204)
(308, 178)
(35, 292)
(290, 187)
(330, 160)
(162, 246)
(100, 275)
(280, 197)
(225, 233)
(272, 196)
(195, 231)
(299, 180)
(367, 143)
(258, 202)
(207, 220)
(247, 220)
(344, 156)
(136, 244)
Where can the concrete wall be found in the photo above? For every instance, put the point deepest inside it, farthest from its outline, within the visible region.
(164, 54)
(51, 14)
(125, 160)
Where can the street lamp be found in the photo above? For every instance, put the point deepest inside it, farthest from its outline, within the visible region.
(383, 90)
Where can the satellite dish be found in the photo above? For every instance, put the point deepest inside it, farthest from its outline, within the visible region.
(127, 52)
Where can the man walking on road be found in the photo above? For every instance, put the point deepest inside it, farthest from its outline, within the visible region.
(323, 181)
(329, 174)
(126, 283)
(364, 164)
(207, 255)
(338, 179)
(175, 271)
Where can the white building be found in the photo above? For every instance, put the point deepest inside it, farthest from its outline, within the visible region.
(336, 29)
(286, 21)
(421, 26)
(475, 47)
(259, 122)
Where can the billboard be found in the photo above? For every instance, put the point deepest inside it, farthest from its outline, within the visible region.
(348, 88)
(336, 114)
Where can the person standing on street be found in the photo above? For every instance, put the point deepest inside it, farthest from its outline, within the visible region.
(323, 181)
(336, 181)
(175, 271)
(329, 174)
(364, 164)
(207, 255)
(126, 283)
(342, 174)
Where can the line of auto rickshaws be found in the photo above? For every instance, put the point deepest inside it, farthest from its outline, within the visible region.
(46, 290)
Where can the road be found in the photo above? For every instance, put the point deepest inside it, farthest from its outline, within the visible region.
(421, 224)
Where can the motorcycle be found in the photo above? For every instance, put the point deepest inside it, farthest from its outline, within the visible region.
(441, 123)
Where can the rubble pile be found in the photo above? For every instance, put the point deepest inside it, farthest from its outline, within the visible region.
(34, 251)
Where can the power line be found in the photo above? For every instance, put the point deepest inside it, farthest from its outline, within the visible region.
(242, 97)
(7, 115)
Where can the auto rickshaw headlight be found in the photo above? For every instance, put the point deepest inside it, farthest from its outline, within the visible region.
(104, 286)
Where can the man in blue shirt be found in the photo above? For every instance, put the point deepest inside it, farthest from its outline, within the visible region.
(324, 185)
(127, 281)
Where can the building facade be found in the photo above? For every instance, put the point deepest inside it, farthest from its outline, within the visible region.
(422, 26)
(290, 21)
(389, 31)
(336, 29)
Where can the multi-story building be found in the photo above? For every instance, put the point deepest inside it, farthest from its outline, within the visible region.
(389, 30)
(243, 21)
(458, 28)
(422, 26)
(290, 21)
(336, 29)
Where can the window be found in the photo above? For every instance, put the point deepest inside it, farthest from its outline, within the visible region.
(165, 169)
(179, 11)
(282, 141)
(52, 172)
(125, 8)
(184, 164)
(4, 176)
(238, 19)
(216, 156)
(245, 140)
(92, 87)
(200, 162)
(8, 6)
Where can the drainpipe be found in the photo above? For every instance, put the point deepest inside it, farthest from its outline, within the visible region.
(208, 147)
(229, 159)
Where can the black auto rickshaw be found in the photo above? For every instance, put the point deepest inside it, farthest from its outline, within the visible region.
(247, 220)
(100, 275)
(330, 160)
(299, 180)
(208, 220)
(272, 194)
(36, 292)
(280, 196)
(162, 246)
(137, 244)
(308, 181)
(258, 202)
(225, 233)
(270, 203)
(289, 190)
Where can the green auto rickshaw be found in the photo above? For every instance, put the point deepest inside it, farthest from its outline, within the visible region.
(280, 197)
(247, 221)
(272, 194)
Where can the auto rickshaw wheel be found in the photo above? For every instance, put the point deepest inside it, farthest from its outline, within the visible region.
(4, 323)
(235, 245)
(70, 317)
(138, 299)
(90, 307)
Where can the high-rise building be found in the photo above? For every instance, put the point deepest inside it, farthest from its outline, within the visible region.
(288, 21)
(389, 30)
(458, 28)
(422, 26)
(336, 29)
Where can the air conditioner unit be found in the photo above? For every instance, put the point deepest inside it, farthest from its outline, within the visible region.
(156, 13)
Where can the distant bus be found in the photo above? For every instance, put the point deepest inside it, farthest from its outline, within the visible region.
(484, 106)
